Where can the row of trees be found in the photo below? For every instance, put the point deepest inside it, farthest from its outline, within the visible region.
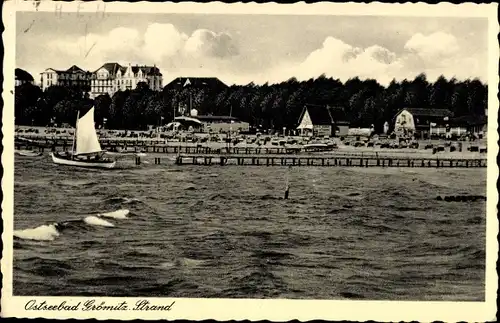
(361, 102)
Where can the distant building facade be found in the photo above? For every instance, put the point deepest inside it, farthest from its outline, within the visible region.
(316, 121)
(108, 79)
(341, 128)
(340, 124)
(72, 77)
(469, 124)
(112, 77)
(420, 122)
(22, 77)
(209, 124)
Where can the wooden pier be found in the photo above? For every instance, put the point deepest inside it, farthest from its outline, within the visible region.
(329, 161)
(152, 146)
(203, 154)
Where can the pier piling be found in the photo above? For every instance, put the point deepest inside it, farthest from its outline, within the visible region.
(312, 161)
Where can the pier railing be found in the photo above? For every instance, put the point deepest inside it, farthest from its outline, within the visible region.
(336, 160)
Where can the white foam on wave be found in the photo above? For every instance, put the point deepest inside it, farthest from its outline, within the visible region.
(94, 220)
(118, 214)
(43, 233)
(130, 200)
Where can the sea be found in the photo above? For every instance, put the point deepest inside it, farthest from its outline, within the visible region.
(227, 232)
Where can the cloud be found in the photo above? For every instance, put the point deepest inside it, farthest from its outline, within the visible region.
(207, 43)
(435, 54)
(117, 40)
(158, 43)
(434, 46)
(340, 60)
(163, 40)
(211, 53)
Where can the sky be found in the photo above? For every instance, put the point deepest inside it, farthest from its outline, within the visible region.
(239, 49)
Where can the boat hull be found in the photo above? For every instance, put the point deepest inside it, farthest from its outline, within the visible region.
(28, 153)
(61, 160)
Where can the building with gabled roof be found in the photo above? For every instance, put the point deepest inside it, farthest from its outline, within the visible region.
(316, 120)
(22, 77)
(113, 77)
(72, 77)
(411, 121)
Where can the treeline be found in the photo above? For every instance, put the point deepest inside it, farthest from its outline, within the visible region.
(361, 102)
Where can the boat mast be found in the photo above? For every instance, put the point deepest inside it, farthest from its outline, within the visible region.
(74, 135)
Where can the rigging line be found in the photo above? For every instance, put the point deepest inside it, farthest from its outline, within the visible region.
(85, 38)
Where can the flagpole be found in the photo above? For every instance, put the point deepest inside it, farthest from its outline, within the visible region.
(430, 132)
(230, 124)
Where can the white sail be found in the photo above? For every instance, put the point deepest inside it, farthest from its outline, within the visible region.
(86, 135)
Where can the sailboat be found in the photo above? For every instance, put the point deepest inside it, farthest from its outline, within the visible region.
(88, 152)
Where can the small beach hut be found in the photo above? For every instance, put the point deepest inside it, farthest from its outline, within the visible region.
(315, 120)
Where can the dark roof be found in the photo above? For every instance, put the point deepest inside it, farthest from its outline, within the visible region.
(208, 118)
(342, 123)
(198, 82)
(22, 75)
(338, 114)
(74, 69)
(469, 120)
(320, 115)
(148, 70)
(112, 68)
(439, 113)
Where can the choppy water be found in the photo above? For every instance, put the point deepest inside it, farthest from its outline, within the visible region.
(216, 231)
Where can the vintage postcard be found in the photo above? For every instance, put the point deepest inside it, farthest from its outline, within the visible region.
(250, 161)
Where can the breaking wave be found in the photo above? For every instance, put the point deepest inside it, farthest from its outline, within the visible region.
(94, 220)
(119, 214)
(49, 232)
(43, 233)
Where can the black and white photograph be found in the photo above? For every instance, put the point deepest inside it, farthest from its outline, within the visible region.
(341, 155)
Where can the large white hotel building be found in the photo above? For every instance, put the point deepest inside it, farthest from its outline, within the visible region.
(109, 78)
